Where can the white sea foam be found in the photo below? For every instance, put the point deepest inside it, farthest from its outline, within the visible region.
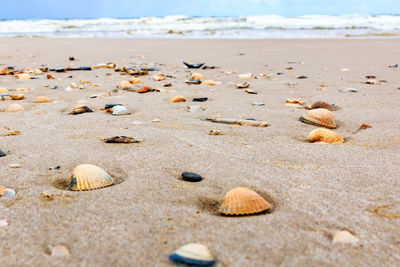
(271, 26)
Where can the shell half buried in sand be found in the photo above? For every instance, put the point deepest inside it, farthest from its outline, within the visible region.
(89, 177)
(42, 99)
(15, 108)
(243, 201)
(322, 135)
(319, 117)
(322, 104)
(192, 255)
(120, 110)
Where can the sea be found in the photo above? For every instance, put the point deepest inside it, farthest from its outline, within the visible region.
(246, 27)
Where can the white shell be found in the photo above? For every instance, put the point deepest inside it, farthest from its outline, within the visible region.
(8, 193)
(191, 253)
(344, 237)
(120, 110)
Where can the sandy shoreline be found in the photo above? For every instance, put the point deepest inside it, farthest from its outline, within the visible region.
(317, 189)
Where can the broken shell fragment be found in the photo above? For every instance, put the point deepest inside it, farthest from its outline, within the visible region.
(79, 109)
(243, 201)
(242, 85)
(177, 99)
(159, 77)
(192, 255)
(319, 117)
(15, 108)
(42, 99)
(322, 135)
(89, 177)
(17, 97)
(322, 104)
(196, 75)
(120, 110)
(295, 101)
(121, 140)
(344, 237)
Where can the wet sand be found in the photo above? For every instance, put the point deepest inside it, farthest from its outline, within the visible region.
(316, 189)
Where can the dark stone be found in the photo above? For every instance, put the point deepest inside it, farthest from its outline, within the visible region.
(191, 177)
(2, 153)
(200, 99)
(107, 106)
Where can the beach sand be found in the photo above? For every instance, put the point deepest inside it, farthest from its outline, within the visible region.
(316, 189)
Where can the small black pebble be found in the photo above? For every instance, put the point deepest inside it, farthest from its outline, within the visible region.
(191, 177)
(2, 153)
(71, 58)
(200, 99)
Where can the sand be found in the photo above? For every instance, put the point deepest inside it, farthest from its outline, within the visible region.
(316, 189)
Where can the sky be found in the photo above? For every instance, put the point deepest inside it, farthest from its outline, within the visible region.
(59, 9)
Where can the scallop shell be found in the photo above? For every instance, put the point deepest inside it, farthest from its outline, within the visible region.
(196, 75)
(42, 99)
(243, 201)
(192, 255)
(322, 104)
(15, 108)
(325, 136)
(319, 117)
(120, 110)
(177, 99)
(17, 97)
(88, 177)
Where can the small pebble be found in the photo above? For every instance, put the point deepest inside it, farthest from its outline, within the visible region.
(200, 99)
(344, 237)
(15, 165)
(2, 153)
(191, 177)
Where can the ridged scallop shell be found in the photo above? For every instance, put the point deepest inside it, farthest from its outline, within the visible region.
(322, 104)
(89, 177)
(243, 201)
(120, 110)
(177, 99)
(324, 135)
(319, 117)
(15, 108)
(42, 99)
(192, 255)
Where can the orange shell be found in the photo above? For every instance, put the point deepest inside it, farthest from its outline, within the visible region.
(42, 99)
(145, 89)
(208, 82)
(134, 80)
(15, 108)
(325, 136)
(177, 99)
(196, 76)
(243, 201)
(319, 117)
(159, 77)
(17, 97)
(322, 104)
(23, 76)
(125, 84)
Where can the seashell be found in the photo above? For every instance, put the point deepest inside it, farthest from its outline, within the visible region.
(59, 251)
(242, 85)
(22, 89)
(15, 108)
(88, 177)
(193, 65)
(249, 91)
(159, 77)
(258, 103)
(177, 99)
(3, 223)
(6, 192)
(23, 76)
(197, 81)
(15, 165)
(135, 80)
(194, 108)
(319, 117)
(197, 76)
(349, 90)
(344, 237)
(208, 82)
(295, 101)
(120, 110)
(371, 81)
(243, 201)
(121, 140)
(301, 77)
(322, 104)
(37, 72)
(145, 89)
(192, 255)
(322, 135)
(42, 99)
(215, 132)
(124, 85)
(79, 109)
(246, 76)
(17, 97)
(3, 90)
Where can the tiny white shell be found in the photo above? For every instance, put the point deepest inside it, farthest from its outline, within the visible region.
(120, 110)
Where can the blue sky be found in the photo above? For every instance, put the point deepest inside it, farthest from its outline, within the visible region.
(23, 9)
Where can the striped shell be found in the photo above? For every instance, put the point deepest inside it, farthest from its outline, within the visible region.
(322, 104)
(89, 177)
(325, 136)
(42, 99)
(192, 255)
(243, 201)
(319, 117)
(15, 108)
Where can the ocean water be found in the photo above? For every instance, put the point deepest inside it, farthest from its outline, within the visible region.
(258, 27)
